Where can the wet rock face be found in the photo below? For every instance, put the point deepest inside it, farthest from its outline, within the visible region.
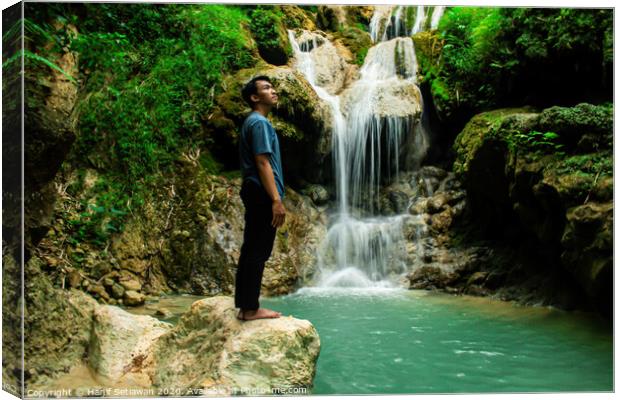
(554, 194)
(210, 349)
(331, 70)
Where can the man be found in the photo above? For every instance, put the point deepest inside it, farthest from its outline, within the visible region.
(262, 192)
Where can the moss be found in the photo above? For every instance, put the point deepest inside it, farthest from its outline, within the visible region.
(484, 126)
(571, 123)
(596, 163)
(270, 35)
(297, 18)
(428, 47)
(359, 15)
(357, 40)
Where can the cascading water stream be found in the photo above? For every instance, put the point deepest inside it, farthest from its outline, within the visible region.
(393, 21)
(372, 121)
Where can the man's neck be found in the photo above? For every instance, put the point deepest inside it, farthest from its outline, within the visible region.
(262, 110)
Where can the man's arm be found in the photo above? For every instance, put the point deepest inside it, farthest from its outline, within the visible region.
(268, 180)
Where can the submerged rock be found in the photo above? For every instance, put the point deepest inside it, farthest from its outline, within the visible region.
(211, 349)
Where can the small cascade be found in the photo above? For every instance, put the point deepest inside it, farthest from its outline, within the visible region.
(420, 17)
(376, 130)
(389, 22)
(437, 13)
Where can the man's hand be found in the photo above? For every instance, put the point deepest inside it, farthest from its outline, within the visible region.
(279, 213)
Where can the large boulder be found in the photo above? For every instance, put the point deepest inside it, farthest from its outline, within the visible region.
(211, 350)
(588, 244)
(545, 179)
(119, 338)
(57, 326)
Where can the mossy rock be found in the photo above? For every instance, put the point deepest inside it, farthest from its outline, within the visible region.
(356, 40)
(359, 15)
(270, 35)
(559, 199)
(297, 18)
(483, 127)
(572, 123)
(428, 46)
(330, 18)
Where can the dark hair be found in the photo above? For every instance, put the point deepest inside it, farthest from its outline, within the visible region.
(250, 88)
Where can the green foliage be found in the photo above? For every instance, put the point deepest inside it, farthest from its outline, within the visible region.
(537, 142)
(469, 33)
(590, 164)
(357, 40)
(149, 76)
(360, 57)
(97, 220)
(142, 112)
(264, 24)
(496, 57)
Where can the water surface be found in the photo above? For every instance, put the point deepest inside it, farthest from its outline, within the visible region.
(399, 341)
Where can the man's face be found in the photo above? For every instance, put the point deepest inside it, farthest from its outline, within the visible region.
(265, 94)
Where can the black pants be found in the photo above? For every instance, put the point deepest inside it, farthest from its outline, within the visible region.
(258, 238)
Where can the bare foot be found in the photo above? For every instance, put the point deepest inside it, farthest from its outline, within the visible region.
(261, 313)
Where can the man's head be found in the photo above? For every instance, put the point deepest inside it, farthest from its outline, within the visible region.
(259, 90)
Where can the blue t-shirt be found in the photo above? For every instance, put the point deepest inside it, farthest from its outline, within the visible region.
(259, 137)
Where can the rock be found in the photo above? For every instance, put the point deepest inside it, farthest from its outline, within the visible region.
(75, 278)
(317, 193)
(211, 349)
(419, 207)
(100, 269)
(396, 98)
(331, 70)
(545, 196)
(356, 41)
(588, 250)
(571, 123)
(163, 313)
(130, 282)
(100, 291)
(440, 222)
(296, 17)
(117, 291)
(429, 277)
(133, 298)
(119, 339)
(477, 278)
(331, 17)
(57, 324)
(270, 36)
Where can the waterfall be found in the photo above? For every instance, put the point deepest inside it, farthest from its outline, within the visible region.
(420, 16)
(375, 127)
(437, 13)
(389, 22)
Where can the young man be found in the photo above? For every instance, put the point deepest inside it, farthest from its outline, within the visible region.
(262, 192)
